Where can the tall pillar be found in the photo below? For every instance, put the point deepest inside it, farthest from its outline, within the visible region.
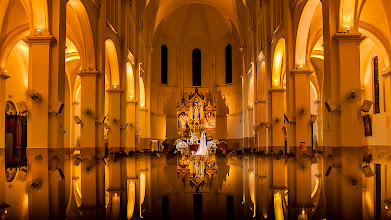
(39, 72)
(302, 106)
(387, 98)
(88, 108)
(131, 128)
(3, 204)
(351, 125)
(114, 118)
(3, 78)
(350, 82)
(91, 169)
(38, 132)
(115, 187)
(261, 111)
(299, 171)
(278, 136)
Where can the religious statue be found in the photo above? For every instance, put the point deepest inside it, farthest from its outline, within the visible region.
(196, 110)
(193, 139)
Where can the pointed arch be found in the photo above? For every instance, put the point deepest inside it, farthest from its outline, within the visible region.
(303, 30)
(112, 61)
(278, 63)
(79, 30)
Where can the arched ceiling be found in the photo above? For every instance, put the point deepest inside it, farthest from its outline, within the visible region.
(158, 10)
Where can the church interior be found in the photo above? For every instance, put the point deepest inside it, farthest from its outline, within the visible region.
(196, 109)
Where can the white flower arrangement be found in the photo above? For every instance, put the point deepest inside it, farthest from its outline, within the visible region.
(212, 144)
(181, 145)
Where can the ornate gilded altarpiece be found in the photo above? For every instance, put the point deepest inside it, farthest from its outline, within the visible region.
(195, 117)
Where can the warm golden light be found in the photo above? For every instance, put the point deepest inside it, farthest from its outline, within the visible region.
(278, 62)
(131, 199)
(142, 93)
(130, 80)
(112, 61)
(278, 209)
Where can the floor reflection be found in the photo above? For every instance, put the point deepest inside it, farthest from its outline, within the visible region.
(99, 184)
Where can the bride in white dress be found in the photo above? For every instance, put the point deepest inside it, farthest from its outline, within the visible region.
(202, 149)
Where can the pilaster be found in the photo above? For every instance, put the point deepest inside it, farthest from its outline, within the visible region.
(261, 126)
(3, 78)
(302, 106)
(351, 125)
(277, 123)
(88, 108)
(39, 80)
(131, 108)
(114, 118)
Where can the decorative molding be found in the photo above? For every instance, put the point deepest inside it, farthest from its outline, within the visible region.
(301, 71)
(349, 37)
(277, 90)
(90, 72)
(40, 40)
(114, 91)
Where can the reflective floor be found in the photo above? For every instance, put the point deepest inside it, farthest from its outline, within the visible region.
(334, 183)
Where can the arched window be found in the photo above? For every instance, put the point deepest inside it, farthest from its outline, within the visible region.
(228, 64)
(164, 64)
(376, 85)
(196, 67)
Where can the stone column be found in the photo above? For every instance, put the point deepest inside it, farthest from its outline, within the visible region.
(88, 108)
(387, 98)
(350, 87)
(91, 167)
(115, 186)
(39, 72)
(299, 171)
(3, 78)
(114, 118)
(351, 124)
(3, 204)
(38, 132)
(261, 106)
(131, 128)
(302, 105)
(277, 123)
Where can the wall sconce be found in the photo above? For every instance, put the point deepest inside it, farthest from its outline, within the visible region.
(38, 32)
(77, 161)
(22, 107)
(77, 119)
(331, 172)
(330, 106)
(22, 175)
(367, 171)
(313, 118)
(366, 106)
(58, 108)
(101, 119)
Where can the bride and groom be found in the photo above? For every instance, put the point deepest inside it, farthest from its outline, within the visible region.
(202, 149)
